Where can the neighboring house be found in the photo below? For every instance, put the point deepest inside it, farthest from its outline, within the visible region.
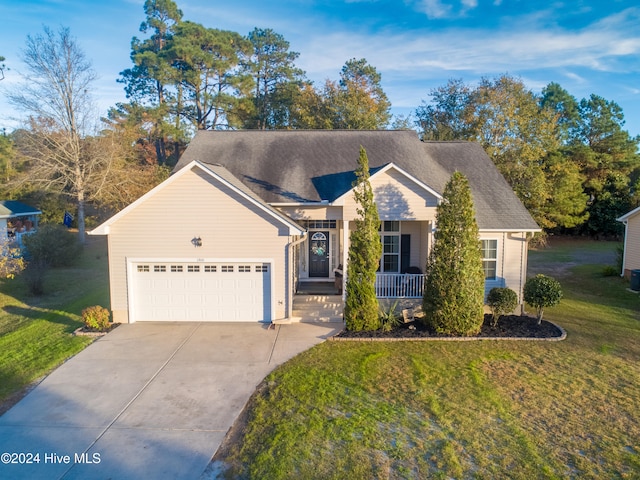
(17, 219)
(631, 255)
(248, 215)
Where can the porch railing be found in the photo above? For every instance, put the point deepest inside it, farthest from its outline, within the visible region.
(399, 285)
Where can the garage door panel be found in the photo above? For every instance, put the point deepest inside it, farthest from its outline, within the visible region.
(224, 291)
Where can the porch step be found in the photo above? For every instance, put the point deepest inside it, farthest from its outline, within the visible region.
(318, 308)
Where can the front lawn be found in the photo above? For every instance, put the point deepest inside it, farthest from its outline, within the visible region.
(36, 332)
(486, 409)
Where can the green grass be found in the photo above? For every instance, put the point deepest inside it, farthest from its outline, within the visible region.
(36, 332)
(485, 410)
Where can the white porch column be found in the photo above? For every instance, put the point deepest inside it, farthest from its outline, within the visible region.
(345, 256)
(430, 231)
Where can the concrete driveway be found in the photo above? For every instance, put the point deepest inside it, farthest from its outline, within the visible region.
(148, 400)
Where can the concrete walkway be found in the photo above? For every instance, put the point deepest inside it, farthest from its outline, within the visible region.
(148, 400)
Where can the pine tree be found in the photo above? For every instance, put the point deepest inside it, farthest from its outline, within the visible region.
(454, 286)
(365, 250)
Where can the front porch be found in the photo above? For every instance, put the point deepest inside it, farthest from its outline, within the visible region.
(318, 276)
(388, 285)
(319, 301)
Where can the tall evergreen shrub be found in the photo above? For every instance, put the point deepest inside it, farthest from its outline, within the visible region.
(365, 250)
(454, 285)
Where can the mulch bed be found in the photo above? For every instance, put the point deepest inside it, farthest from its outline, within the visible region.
(509, 326)
(91, 332)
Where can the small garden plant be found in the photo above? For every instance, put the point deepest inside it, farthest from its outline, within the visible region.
(389, 319)
(96, 318)
(501, 301)
(542, 291)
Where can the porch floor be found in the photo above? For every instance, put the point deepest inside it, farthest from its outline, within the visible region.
(317, 288)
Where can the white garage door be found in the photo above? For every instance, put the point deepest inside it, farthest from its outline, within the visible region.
(220, 291)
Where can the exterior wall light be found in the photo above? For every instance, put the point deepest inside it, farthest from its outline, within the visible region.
(197, 241)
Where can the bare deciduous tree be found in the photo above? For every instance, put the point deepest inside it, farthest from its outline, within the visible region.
(55, 94)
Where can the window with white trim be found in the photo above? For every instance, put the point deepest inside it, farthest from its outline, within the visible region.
(489, 258)
(390, 233)
(318, 224)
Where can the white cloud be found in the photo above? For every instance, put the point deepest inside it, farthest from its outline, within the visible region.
(598, 46)
(575, 77)
(446, 9)
(436, 9)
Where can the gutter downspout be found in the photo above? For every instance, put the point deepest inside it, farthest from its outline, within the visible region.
(524, 264)
(291, 272)
(624, 247)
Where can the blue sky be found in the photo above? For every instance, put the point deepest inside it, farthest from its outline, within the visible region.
(587, 46)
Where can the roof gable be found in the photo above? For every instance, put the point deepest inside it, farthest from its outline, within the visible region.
(627, 216)
(220, 174)
(383, 170)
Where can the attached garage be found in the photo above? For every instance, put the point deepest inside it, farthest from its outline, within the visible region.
(207, 291)
(200, 247)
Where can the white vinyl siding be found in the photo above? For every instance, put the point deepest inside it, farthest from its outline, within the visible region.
(397, 198)
(195, 205)
(632, 243)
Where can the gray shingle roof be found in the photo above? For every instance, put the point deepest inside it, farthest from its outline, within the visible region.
(315, 165)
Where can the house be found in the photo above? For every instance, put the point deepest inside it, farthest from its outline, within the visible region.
(17, 219)
(631, 255)
(247, 216)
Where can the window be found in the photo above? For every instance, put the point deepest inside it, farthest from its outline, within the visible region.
(489, 258)
(143, 268)
(193, 268)
(244, 268)
(210, 268)
(390, 253)
(393, 226)
(176, 268)
(390, 247)
(227, 268)
(262, 268)
(316, 224)
(159, 268)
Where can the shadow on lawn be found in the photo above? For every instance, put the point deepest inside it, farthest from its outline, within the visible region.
(44, 314)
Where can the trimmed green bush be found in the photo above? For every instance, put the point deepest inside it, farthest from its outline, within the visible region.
(96, 318)
(365, 250)
(453, 301)
(53, 245)
(542, 291)
(501, 301)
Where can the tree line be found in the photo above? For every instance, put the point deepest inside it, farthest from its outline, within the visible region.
(571, 162)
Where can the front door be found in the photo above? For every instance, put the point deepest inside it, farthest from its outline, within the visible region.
(319, 255)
